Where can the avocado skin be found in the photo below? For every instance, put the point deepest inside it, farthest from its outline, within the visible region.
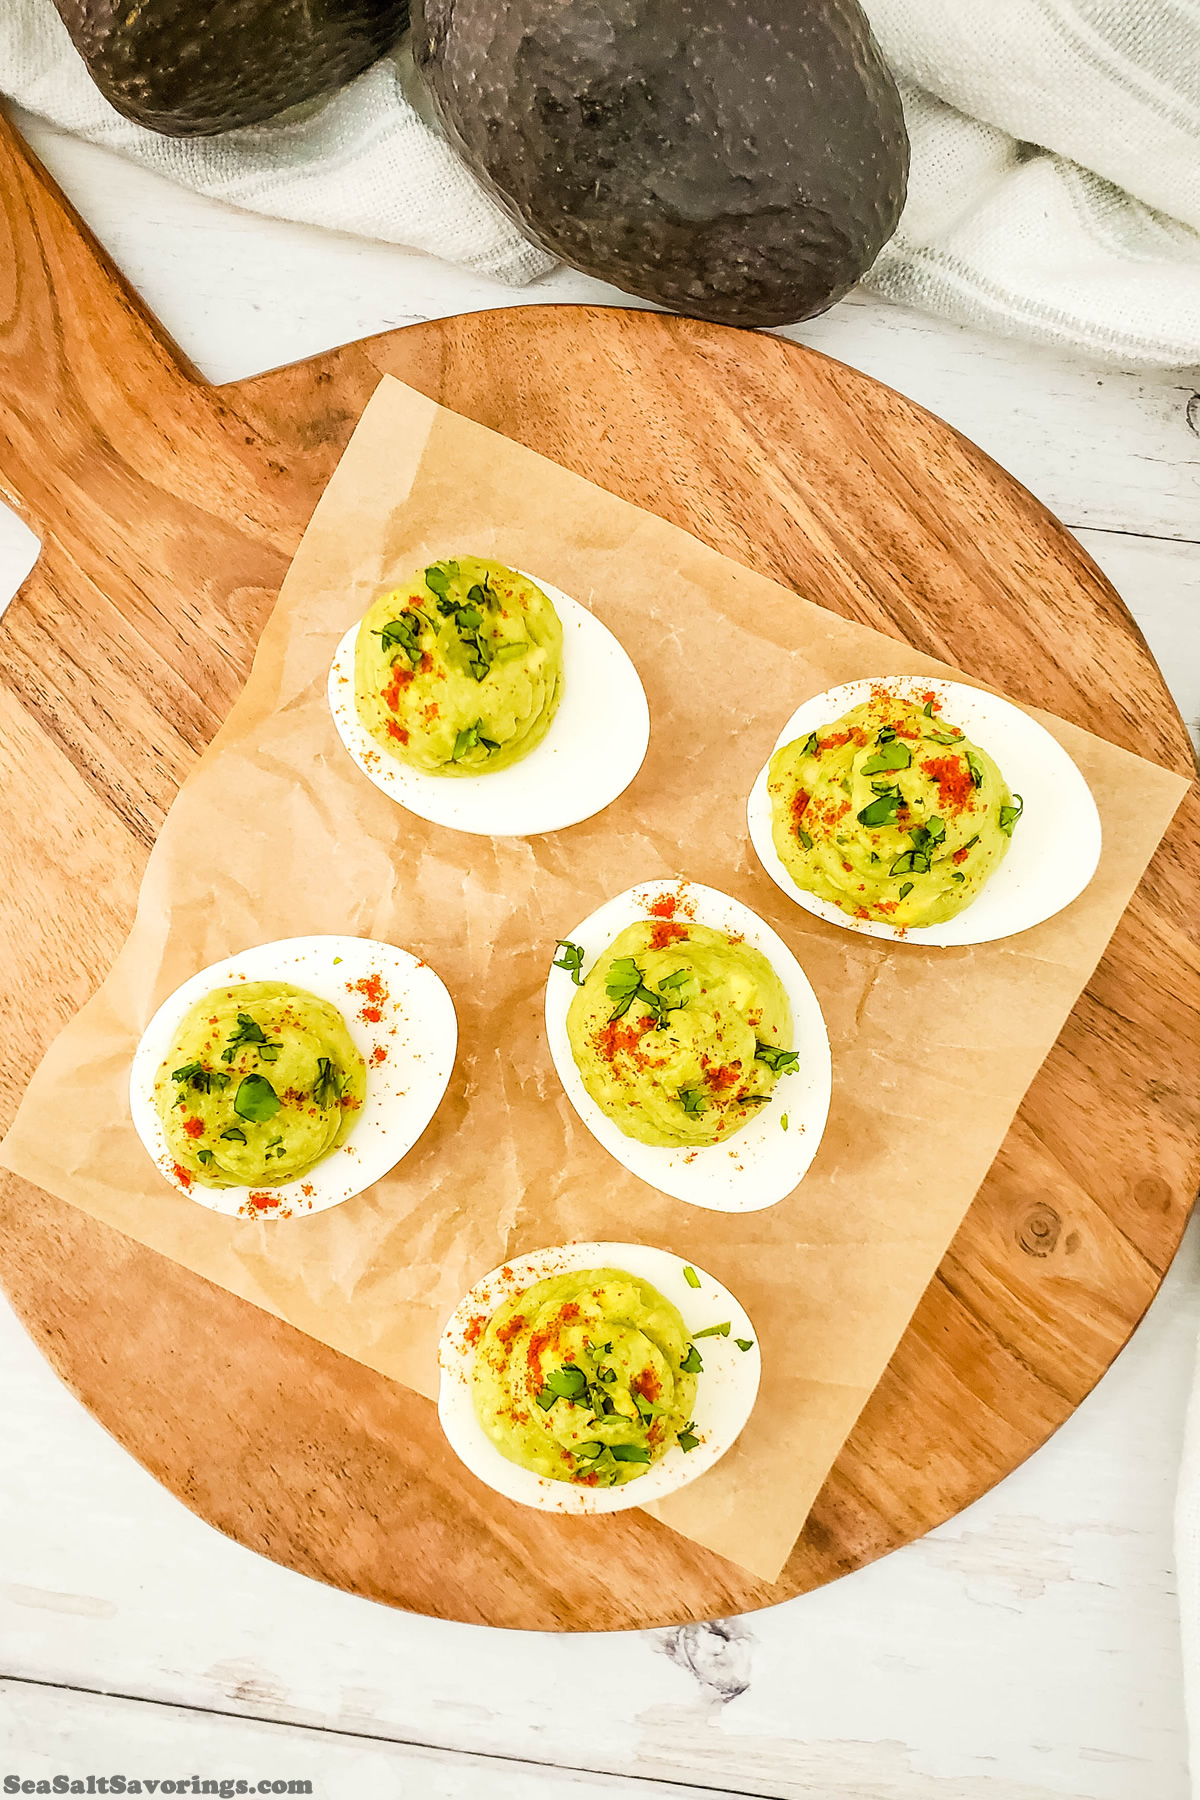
(188, 68)
(738, 160)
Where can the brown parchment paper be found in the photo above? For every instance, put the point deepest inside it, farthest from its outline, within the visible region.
(277, 833)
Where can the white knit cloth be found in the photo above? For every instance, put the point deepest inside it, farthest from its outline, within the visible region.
(1055, 187)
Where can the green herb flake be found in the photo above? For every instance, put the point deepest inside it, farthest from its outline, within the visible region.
(927, 709)
(687, 1439)
(405, 632)
(744, 1343)
(910, 862)
(783, 1122)
(883, 810)
(805, 837)
(691, 1364)
(778, 1060)
(590, 1452)
(713, 1331)
(571, 960)
(471, 738)
(690, 1276)
(233, 1135)
(567, 1383)
(629, 1453)
(906, 890)
(976, 768)
(926, 837)
(693, 1100)
(256, 1100)
(437, 580)
(623, 983)
(327, 1088)
(811, 745)
(187, 1071)
(669, 983)
(957, 875)
(1010, 814)
(890, 756)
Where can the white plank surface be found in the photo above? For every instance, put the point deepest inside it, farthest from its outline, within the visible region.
(1025, 1651)
(59, 1731)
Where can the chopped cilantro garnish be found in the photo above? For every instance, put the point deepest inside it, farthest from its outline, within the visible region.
(405, 631)
(471, 738)
(744, 1343)
(713, 1331)
(805, 837)
(629, 1453)
(883, 810)
(910, 862)
(204, 1156)
(567, 1383)
(234, 1135)
(691, 1364)
(1010, 814)
(927, 709)
(690, 1276)
(890, 755)
(327, 1089)
(925, 837)
(677, 980)
(976, 768)
(588, 1452)
(906, 890)
(623, 983)
(778, 1060)
(687, 1438)
(203, 1080)
(571, 960)
(437, 580)
(256, 1099)
(693, 1100)
(783, 1122)
(811, 745)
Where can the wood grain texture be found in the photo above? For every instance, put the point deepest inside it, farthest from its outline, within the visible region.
(168, 511)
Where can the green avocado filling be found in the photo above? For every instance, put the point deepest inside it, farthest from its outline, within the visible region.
(459, 670)
(680, 1033)
(588, 1377)
(890, 813)
(262, 1081)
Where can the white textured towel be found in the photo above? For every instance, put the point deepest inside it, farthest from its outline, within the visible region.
(1055, 187)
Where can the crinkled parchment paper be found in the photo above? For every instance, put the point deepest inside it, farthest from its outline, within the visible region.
(276, 833)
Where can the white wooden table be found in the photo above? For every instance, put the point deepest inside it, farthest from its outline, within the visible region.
(1027, 1650)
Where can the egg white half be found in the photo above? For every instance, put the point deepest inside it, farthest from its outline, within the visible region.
(409, 1053)
(725, 1391)
(1056, 843)
(595, 745)
(763, 1162)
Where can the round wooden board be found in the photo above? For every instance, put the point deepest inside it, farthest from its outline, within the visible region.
(168, 511)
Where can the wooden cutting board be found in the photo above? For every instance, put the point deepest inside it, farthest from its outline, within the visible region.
(168, 511)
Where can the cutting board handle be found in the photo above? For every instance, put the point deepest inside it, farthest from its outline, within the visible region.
(76, 346)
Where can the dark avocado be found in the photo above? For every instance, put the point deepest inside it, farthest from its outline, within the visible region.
(738, 160)
(191, 67)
